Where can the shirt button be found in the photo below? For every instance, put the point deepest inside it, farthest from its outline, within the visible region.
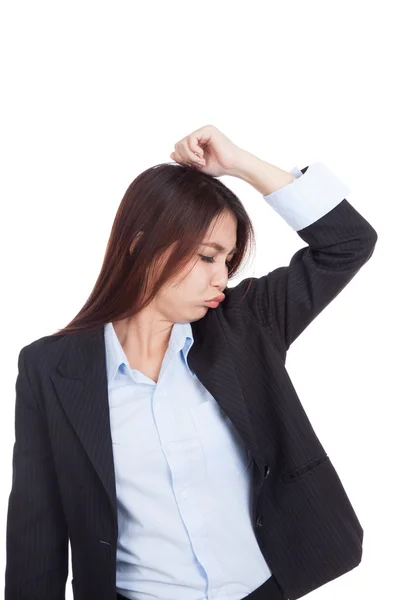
(184, 494)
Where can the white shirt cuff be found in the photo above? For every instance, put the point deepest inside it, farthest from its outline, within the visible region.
(309, 197)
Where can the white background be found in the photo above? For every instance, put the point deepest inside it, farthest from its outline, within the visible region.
(93, 93)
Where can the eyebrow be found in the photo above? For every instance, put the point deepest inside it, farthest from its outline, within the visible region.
(219, 247)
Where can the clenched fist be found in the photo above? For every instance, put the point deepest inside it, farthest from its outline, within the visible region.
(209, 150)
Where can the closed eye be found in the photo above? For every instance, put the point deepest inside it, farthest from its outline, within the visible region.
(210, 259)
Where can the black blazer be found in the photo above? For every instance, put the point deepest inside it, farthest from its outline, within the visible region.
(63, 484)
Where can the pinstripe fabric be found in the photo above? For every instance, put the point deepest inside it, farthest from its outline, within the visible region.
(63, 474)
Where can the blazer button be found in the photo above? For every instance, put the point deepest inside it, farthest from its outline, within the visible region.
(259, 522)
(266, 471)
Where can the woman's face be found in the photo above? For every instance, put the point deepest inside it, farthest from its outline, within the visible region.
(206, 276)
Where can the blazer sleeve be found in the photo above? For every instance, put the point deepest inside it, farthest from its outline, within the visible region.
(339, 242)
(37, 536)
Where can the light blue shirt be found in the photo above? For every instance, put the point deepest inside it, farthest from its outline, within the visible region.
(183, 474)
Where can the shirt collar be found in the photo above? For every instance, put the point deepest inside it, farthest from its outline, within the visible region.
(181, 339)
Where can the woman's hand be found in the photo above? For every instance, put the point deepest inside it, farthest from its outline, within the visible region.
(209, 150)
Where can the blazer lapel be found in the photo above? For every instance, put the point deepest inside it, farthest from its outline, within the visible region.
(80, 380)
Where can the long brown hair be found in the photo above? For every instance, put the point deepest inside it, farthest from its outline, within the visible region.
(166, 210)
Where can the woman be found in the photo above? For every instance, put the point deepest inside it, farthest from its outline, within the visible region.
(159, 432)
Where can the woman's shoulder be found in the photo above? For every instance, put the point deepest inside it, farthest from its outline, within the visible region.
(44, 351)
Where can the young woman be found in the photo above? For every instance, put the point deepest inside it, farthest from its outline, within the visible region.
(159, 432)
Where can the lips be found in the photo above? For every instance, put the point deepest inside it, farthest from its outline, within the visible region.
(217, 298)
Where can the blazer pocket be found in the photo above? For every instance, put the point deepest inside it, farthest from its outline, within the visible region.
(304, 469)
